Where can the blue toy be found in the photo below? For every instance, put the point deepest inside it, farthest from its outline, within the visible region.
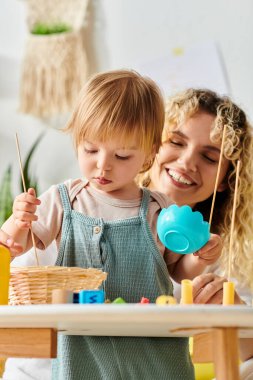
(182, 230)
(91, 296)
(75, 297)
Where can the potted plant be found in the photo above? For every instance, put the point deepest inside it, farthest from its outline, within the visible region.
(6, 196)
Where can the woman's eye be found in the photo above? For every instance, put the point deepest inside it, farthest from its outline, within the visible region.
(209, 159)
(122, 157)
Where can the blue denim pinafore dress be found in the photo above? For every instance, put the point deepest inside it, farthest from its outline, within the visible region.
(126, 250)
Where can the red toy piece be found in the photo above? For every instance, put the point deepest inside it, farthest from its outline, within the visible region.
(144, 300)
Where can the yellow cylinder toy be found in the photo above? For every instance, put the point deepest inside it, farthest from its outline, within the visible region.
(186, 292)
(5, 261)
(228, 293)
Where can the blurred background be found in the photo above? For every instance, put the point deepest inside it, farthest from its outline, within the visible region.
(179, 44)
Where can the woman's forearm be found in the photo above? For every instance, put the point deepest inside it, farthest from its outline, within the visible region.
(22, 237)
(187, 267)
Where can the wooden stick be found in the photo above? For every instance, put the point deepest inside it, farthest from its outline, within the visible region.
(217, 175)
(24, 187)
(233, 219)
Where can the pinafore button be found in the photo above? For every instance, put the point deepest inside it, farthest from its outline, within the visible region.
(97, 229)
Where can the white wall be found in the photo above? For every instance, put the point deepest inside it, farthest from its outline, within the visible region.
(121, 34)
(139, 30)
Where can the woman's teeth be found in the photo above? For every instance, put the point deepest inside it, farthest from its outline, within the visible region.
(179, 178)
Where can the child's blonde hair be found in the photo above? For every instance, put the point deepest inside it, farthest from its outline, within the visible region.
(238, 146)
(121, 104)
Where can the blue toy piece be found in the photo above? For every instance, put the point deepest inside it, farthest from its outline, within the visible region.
(91, 296)
(182, 230)
(75, 297)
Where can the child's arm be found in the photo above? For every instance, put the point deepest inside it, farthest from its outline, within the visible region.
(19, 223)
(191, 265)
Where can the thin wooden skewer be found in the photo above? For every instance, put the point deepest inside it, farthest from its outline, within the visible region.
(217, 175)
(233, 219)
(24, 187)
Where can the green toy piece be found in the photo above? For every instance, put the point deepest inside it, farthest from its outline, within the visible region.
(119, 300)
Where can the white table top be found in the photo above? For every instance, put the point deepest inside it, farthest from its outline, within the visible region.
(129, 319)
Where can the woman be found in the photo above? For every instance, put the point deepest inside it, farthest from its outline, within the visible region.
(185, 169)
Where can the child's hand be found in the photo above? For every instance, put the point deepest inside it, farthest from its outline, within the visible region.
(24, 208)
(211, 250)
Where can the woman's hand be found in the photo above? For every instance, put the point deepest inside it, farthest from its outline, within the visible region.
(208, 288)
(190, 266)
(24, 208)
(211, 250)
(15, 248)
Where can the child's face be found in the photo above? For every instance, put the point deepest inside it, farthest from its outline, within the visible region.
(186, 166)
(111, 167)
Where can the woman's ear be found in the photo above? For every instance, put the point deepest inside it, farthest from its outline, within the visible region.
(149, 161)
(222, 186)
(224, 183)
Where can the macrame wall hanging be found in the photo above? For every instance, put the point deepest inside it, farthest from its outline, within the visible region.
(55, 63)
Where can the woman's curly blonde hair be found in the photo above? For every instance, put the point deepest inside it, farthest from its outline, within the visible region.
(238, 146)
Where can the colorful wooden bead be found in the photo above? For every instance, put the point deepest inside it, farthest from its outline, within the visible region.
(166, 300)
(119, 300)
(76, 297)
(91, 296)
(144, 300)
(62, 296)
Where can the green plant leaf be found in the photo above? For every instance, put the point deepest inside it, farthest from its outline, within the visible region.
(29, 180)
(6, 197)
(43, 29)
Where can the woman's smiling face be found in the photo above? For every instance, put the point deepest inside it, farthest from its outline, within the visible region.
(186, 165)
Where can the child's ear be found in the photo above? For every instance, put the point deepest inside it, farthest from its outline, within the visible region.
(222, 186)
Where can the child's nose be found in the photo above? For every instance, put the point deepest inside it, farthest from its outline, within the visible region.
(104, 163)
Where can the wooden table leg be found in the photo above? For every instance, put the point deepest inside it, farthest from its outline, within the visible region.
(28, 343)
(226, 353)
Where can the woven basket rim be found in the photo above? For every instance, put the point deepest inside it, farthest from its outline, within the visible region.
(53, 268)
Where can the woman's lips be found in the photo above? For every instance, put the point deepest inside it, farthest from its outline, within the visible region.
(177, 183)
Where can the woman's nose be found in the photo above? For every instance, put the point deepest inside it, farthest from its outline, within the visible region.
(188, 161)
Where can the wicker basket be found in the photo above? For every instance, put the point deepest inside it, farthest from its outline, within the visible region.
(34, 285)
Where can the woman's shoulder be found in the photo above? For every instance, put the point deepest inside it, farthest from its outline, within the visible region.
(163, 200)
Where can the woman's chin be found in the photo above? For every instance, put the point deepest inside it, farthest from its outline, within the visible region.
(174, 195)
